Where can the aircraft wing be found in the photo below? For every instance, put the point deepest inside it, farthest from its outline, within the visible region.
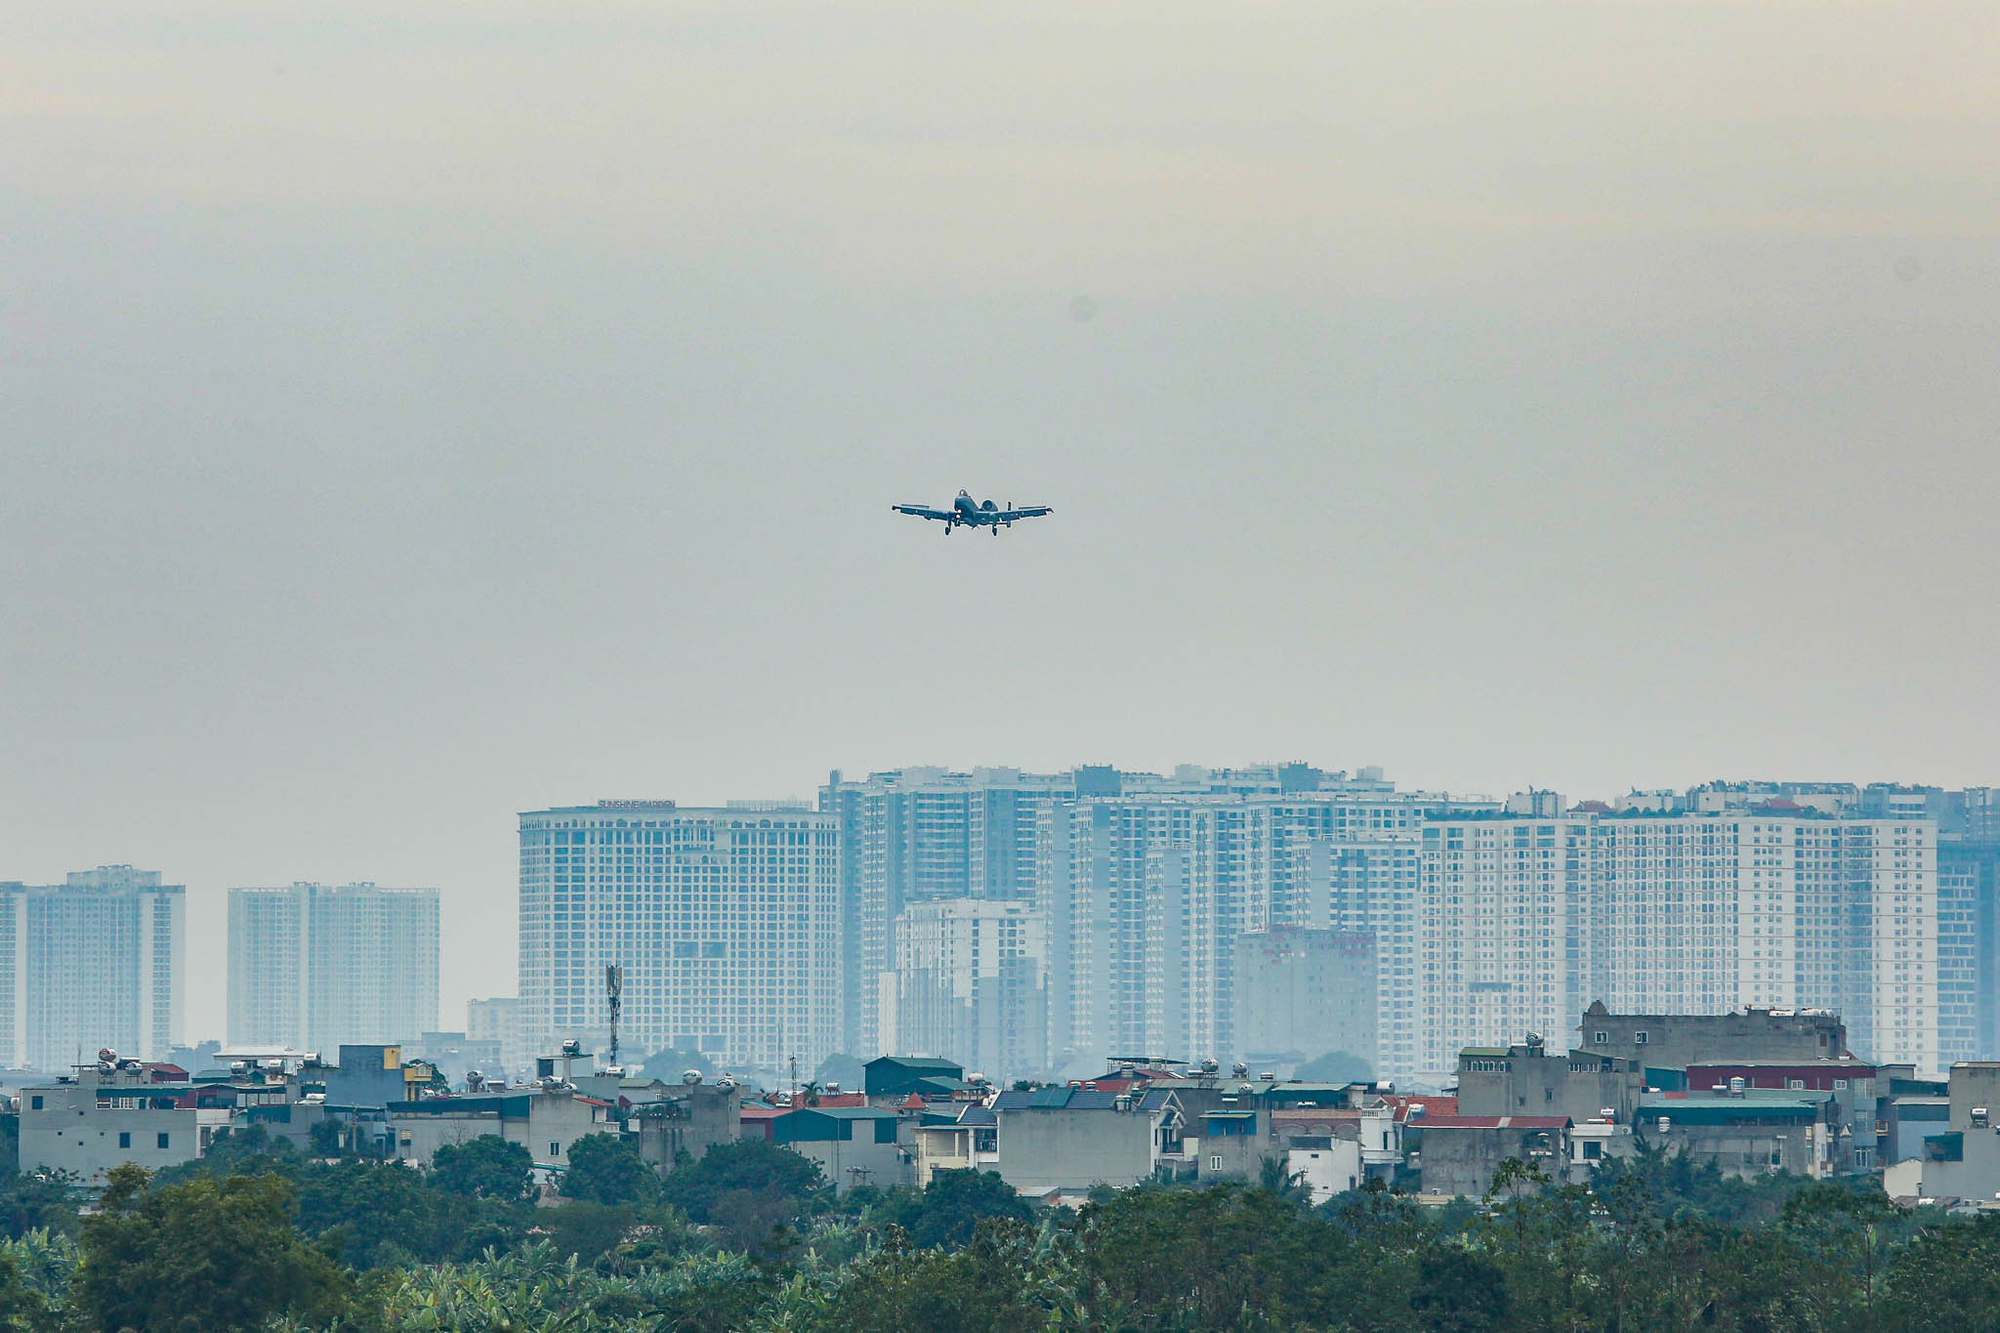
(925, 511)
(1025, 511)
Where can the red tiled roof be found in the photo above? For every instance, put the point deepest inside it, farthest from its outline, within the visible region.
(1436, 1105)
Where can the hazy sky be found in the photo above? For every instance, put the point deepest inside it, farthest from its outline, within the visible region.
(407, 419)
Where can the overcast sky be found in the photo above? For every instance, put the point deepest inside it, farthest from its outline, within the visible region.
(408, 419)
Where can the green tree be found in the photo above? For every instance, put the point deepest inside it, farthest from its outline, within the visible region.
(1335, 1067)
(21, 1305)
(488, 1167)
(1459, 1292)
(668, 1065)
(999, 1284)
(753, 1192)
(44, 1201)
(1948, 1280)
(608, 1170)
(1224, 1257)
(946, 1212)
(841, 1068)
(211, 1254)
(248, 1151)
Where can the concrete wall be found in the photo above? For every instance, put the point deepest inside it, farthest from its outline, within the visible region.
(69, 1132)
(1463, 1160)
(1675, 1041)
(1327, 1171)
(554, 1121)
(1741, 1151)
(847, 1163)
(1976, 1175)
(688, 1119)
(1529, 1084)
(1043, 1149)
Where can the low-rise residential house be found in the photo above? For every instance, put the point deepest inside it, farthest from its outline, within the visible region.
(965, 1138)
(1909, 1112)
(1675, 1041)
(545, 1121)
(1593, 1141)
(1325, 1166)
(686, 1118)
(1749, 1134)
(1846, 1091)
(1458, 1154)
(854, 1145)
(152, 1115)
(1960, 1164)
(1056, 1143)
(1527, 1079)
(371, 1076)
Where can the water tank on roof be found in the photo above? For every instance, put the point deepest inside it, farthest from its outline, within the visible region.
(690, 1076)
(105, 1055)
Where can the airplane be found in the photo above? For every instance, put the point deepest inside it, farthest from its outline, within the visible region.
(975, 513)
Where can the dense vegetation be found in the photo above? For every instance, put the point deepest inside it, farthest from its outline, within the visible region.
(748, 1238)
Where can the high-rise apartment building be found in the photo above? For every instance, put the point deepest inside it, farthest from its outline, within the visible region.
(97, 961)
(1968, 946)
(1304, 992)
(726, 921)
(313, 966)
(498, 1020)
(1526, 921)
(920, 835)
(1487, 919)
(970, 983)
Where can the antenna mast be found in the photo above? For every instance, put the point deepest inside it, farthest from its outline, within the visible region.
(614, 992)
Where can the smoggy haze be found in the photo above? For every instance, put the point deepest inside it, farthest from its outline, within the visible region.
(409, 421)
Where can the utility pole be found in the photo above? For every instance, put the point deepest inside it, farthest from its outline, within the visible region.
(614, 991)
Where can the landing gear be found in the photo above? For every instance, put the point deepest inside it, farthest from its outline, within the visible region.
(996, 529)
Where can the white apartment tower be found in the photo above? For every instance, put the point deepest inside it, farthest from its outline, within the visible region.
(97, 961)
(1526, 921)
(971, 984)
(314, 965)
(727, 923)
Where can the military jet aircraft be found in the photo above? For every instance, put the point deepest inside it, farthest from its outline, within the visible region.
(975, 513)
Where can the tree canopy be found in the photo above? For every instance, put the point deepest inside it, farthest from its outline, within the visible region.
(211, 1254)
(487, 1167)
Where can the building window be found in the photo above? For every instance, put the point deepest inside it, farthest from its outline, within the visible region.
(163, 1140)
(1215, 1162)
(555, 1150)
(34, 1103)
(1638, 1039)
(1599, 1038)
(125, 1138)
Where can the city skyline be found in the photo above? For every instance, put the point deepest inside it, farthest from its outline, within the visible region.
(1393, 863)
(1502, 400)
